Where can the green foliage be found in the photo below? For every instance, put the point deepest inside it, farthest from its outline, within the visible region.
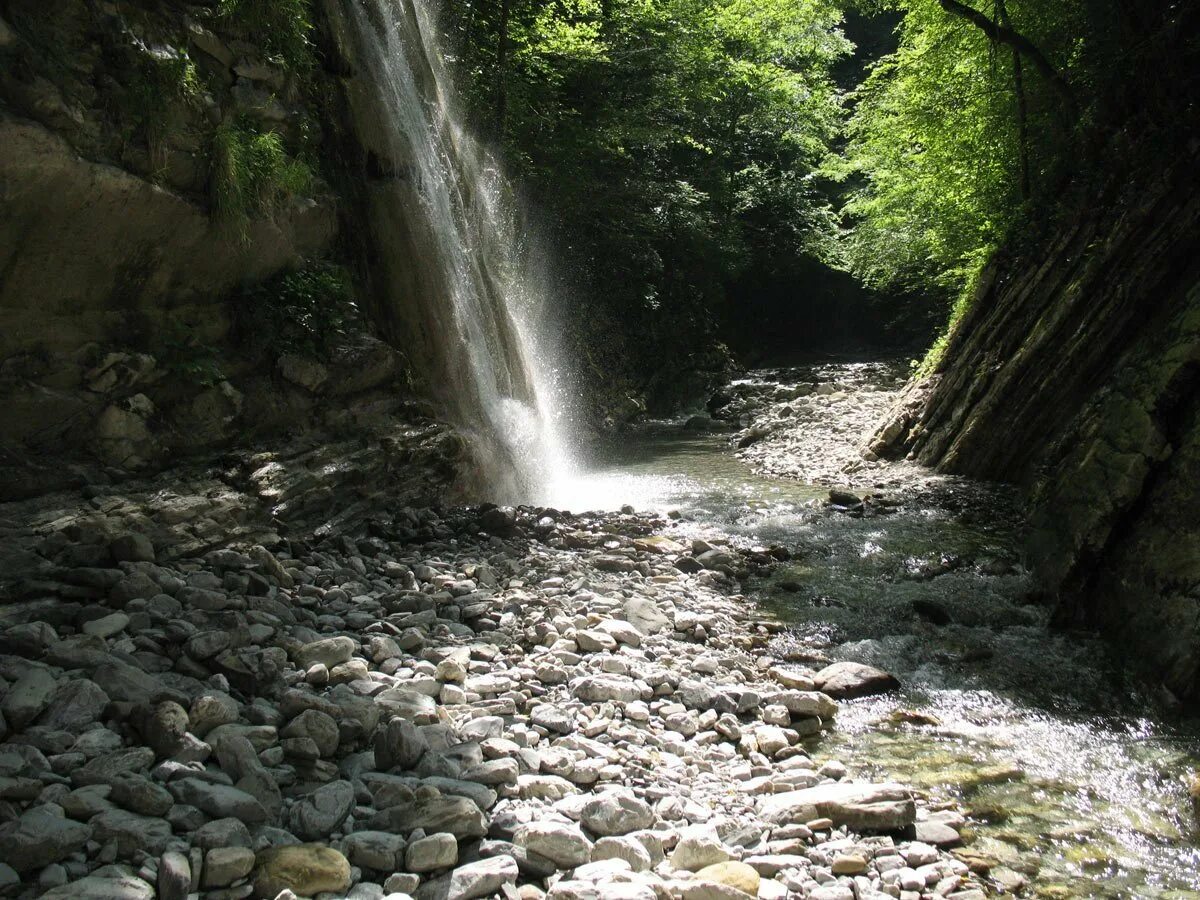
(185, 356)
(672, 142)
(305, 312)
(251, 173)
(156, 83)
(933, 156)
(281, 26)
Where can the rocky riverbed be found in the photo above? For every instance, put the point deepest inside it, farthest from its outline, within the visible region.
(455, 704)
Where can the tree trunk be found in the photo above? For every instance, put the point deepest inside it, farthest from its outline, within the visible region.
(1001, 34)
(502, 72)
(1022, 106)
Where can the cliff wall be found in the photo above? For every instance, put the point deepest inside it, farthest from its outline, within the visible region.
(1077, 374)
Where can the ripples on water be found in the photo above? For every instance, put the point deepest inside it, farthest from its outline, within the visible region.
(1065, 771)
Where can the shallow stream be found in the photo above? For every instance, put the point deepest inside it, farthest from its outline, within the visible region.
(1072, 784)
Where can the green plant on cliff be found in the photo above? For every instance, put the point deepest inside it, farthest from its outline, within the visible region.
(251, 173)
(282, 26)
(185, 356)
(154, 86)
(304, 311)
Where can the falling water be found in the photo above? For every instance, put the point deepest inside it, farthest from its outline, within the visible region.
(446, 239)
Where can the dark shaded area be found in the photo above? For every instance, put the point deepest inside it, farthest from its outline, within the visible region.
(802, 305)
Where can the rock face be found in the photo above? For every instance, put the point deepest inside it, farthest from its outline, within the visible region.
(1075, 373)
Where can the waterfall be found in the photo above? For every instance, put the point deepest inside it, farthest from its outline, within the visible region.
(445, 235)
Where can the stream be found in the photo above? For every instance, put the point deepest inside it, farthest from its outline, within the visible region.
(1072, 784)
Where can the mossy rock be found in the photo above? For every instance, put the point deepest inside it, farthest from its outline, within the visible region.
(304, 869)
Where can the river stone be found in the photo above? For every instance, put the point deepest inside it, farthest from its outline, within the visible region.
(211, 710)
(598, 688)
(219, 800)
(329, 652)
(457, 815)
(615, 813)
(645, 616)
(103, 887)
(103, 769)
(399, 745)
(303, 869)
(868, 807)
(407, 704)
(74, 705)
(106, 626)
(560, 842)
(318, 726)
(131, 685)
(851, 679)
(374, 850)
(553, 717)
(625, 848)
(174, 876)
(698, 846)
(713, 890)
(131, 831)
(27, 698)
(484, 878)
(222, 833)
(437, 851)
(736, 875)
(139, 794)
(322, 811)
(807, 704)
(41, 836)
(225, 865)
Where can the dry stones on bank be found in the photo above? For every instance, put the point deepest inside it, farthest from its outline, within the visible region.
(432, 707)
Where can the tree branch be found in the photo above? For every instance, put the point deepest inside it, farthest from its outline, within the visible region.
(1000, 34)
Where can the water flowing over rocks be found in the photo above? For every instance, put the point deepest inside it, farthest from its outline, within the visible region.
(414, 705)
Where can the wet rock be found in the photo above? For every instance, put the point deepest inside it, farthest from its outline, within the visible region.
(41, 836)
(851, 679)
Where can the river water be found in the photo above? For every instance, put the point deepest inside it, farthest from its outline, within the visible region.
(1072, 783)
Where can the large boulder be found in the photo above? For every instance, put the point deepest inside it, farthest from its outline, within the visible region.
(304, 869)
(867, 807)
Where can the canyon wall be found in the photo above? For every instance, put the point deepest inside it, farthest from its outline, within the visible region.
(1076, 373)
